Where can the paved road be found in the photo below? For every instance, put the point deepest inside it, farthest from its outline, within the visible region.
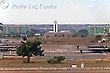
(61, 70)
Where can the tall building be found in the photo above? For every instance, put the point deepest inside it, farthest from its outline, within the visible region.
(93, 29)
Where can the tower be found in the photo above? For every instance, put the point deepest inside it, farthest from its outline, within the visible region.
(1, 27)
(55, 26)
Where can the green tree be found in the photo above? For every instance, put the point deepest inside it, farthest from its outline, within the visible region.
(82, 33)
(24, 38)
(28, 49)
(98, 37)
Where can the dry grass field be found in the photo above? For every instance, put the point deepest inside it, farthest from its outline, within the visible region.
(104, 62)
(18, 63)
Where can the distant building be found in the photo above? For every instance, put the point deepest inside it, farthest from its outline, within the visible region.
(93, 29)
(26, 29)
(59, 34)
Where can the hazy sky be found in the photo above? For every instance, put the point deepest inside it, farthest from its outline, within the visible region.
(64, 11)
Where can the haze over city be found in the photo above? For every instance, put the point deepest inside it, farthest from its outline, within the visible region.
(46, 11)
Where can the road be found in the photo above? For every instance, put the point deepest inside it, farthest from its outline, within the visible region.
(56, 70)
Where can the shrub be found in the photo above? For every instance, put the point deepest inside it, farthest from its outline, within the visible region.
(56, 60)
(98, 37)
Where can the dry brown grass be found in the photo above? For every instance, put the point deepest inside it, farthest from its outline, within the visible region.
(70, 40)
(43, 63)
(38, 63)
